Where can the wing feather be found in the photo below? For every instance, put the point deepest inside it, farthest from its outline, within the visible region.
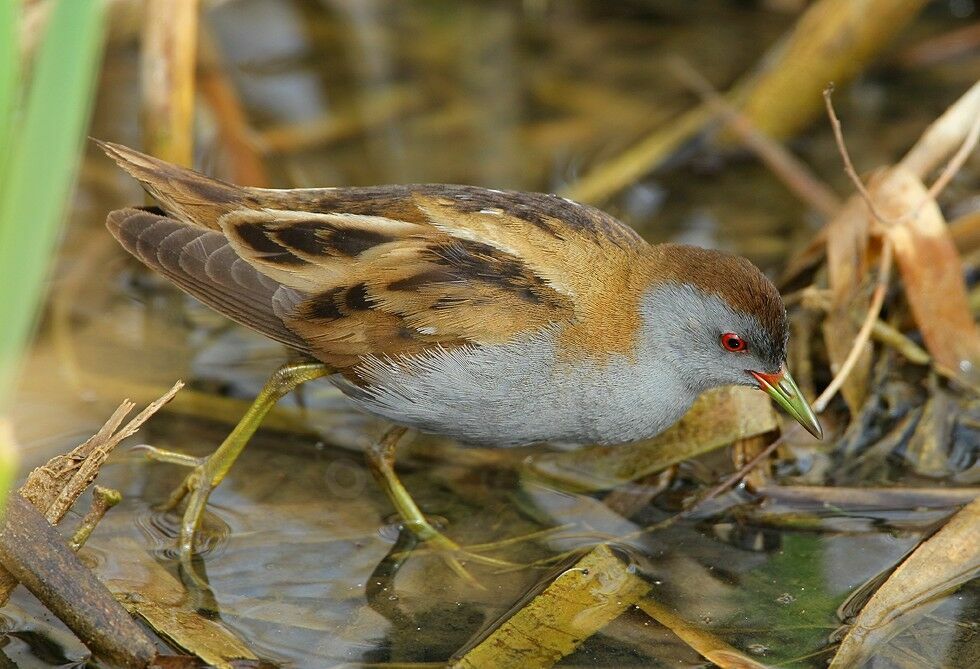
(348, 273)
(446, 265)
(202, 263)
(399, 288)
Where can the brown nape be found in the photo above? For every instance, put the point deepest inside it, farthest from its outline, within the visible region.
(732, 278)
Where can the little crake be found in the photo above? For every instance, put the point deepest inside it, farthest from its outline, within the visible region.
(495, 317)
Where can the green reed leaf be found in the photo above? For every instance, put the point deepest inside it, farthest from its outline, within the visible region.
(41, 159)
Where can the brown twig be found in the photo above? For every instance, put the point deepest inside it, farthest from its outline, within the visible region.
(729, 482)
(734, 478)
(791, 171)
(103, 499)
(845, 154)
(35, 554)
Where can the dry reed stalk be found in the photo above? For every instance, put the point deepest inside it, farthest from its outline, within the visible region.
(168, 67)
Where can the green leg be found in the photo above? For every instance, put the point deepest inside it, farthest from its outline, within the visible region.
(210, 471)
(381, 458)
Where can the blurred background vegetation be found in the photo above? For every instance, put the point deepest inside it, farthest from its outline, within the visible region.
(45, 101)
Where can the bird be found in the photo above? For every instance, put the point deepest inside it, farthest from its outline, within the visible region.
(493, 317)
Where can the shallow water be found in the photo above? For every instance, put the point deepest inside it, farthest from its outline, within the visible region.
(512, 95)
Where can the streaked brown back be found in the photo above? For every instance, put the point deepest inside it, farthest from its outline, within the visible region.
(387, 270)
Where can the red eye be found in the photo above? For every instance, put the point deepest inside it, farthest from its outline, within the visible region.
(732, 342)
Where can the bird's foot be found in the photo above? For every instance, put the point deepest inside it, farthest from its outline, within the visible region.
(207, 473)
(196, 488)
(381, 459)
(452, 553)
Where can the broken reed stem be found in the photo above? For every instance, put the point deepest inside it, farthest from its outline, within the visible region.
(864, 334)
(92, 453)
(791, 171)
(99, 449)
(53, 488)
(169, 56)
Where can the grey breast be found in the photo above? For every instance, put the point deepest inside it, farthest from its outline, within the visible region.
(520, 393)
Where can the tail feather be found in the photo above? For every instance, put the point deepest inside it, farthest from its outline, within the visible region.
(186, 195)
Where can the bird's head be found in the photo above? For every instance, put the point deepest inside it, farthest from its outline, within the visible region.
(720, 321)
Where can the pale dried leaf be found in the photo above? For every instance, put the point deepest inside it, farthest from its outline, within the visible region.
(948, 559)
(931, 271)
(149, 591)
(847, 270)
(706, 644)
(944, 136)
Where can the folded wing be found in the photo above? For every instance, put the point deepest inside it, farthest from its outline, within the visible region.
(203, 264)
(345, 273)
